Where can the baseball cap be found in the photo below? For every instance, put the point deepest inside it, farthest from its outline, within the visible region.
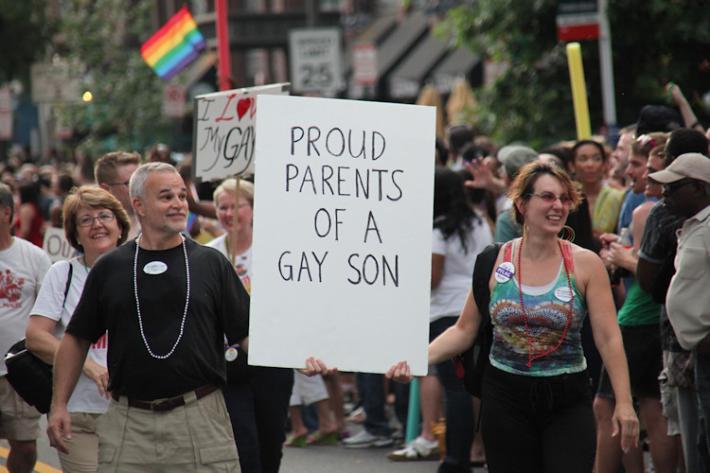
(513, 157)
(689, 165)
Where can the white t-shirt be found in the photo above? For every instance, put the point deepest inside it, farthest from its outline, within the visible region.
(242, 263)
(86, 397)
(22, 268)
(448, 298)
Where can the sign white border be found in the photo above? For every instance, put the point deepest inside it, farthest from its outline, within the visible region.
(362, 302)
(224, 131)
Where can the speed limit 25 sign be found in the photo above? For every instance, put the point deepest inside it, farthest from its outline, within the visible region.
(316, 64)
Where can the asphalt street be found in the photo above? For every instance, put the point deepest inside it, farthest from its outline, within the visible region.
(319, 459)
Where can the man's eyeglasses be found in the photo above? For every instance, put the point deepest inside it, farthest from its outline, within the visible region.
(550, 198)
(118, 183)
(103, 217)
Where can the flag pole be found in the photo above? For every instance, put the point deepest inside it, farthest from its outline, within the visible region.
(224, 79)
(224, 64)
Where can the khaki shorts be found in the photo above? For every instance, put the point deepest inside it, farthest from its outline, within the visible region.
(195, 438)
(83, 445)
(18, 420)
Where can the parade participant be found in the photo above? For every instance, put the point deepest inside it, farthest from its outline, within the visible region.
(639, 318)
(94, 223)
(22, 268)
(30, 224)
(536, 402)
(654, 271)
(619, 158)
(113, 172)
(459, 235)
(167, 304)
(686, 189)
(257, 397)
(589, 162)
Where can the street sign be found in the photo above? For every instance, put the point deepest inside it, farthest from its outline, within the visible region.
(316, 64)
(577, 20)
(5, 113)
(55, 83)
(365, 64)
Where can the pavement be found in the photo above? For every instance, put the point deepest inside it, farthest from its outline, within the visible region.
(312, 459)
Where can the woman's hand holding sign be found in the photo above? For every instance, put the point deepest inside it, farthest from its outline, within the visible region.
(400, 372)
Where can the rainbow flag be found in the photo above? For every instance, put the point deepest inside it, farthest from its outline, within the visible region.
(174, 46)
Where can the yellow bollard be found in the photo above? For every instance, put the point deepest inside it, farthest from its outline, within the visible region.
(579, 91)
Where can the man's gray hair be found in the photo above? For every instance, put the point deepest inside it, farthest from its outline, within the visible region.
(136, 184)
(6, 199)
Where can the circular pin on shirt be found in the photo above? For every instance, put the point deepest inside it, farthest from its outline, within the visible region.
(564, 294)
(505, 271)
(155, 267)
(230, 354)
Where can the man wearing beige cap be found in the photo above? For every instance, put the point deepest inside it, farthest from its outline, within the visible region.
(686, 188)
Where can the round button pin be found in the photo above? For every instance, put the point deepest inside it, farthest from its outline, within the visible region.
(563, 294)
(230, 354)
(155, 267)
(504, 272)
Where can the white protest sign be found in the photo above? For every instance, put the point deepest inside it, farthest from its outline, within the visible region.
(342, 234)
(56, 245)
(224, 131)
(174, 96)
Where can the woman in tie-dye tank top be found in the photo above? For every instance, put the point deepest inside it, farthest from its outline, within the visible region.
(536, 397)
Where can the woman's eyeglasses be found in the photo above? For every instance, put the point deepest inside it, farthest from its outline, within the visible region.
(550, 198)
(88, 220)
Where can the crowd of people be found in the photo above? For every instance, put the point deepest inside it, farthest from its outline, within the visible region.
(595, 314)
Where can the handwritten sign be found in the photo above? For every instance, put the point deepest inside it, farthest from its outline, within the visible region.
(342, 233)
(225, 132)
(57, 246)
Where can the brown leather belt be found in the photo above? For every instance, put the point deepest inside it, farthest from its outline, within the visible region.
(171, 403)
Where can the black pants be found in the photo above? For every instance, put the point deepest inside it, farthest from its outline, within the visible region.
(532, 424)
(258, 408)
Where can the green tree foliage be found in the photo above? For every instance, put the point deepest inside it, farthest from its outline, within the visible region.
(653, 42)
(24, 32)
(105, 36)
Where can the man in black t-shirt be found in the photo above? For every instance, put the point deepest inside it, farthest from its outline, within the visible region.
(167, 304)
(654, 271)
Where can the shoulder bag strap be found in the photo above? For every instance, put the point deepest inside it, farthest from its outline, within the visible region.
(66, 288)
(482, 275)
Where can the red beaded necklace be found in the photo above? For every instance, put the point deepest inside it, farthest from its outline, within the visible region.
(570, 310)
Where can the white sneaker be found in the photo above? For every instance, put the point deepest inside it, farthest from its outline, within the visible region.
(418, 449)
(365, 439)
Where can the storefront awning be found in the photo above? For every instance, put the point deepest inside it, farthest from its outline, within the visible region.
(396, 46)
(406, 80)
(460, 62)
